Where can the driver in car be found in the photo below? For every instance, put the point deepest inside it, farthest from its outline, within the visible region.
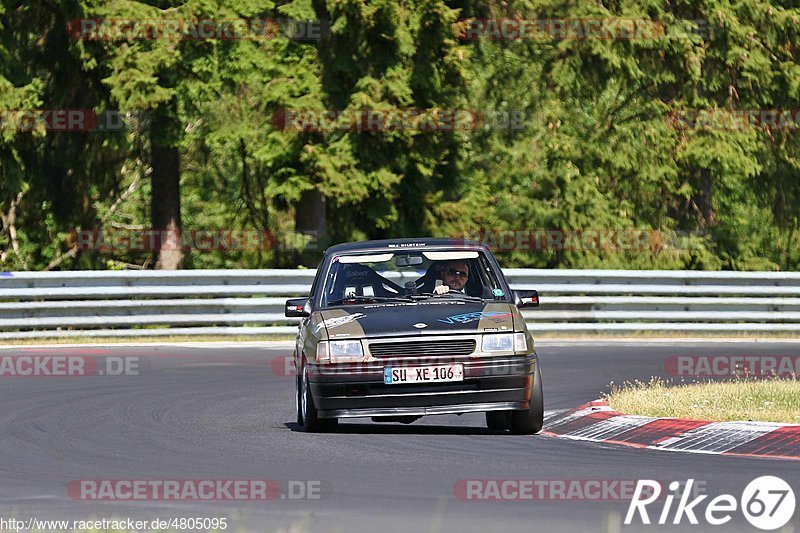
(454, 277)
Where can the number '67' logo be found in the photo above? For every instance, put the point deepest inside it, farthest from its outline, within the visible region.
(768, 502)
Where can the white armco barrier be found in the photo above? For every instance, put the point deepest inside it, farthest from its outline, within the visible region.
(250, 302)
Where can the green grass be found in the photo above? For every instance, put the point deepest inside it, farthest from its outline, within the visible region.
(599, 336)
(770, 400)
(143, 340)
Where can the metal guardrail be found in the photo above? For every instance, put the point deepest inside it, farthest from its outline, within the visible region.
(249, 302)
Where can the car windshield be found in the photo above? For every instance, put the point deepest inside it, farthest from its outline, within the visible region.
(405, 275)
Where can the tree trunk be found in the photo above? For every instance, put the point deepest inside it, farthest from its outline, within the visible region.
(310, 213)
(706, 198)
(165, 199)
(309, 219)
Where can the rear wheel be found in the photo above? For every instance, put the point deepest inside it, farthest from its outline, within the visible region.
(531, 420)
(308, 412)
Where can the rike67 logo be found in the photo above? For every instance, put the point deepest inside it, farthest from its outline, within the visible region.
(767, 503)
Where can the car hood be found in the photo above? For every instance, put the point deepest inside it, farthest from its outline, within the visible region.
(417, 318)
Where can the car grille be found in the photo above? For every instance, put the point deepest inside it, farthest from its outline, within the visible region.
(423, 348)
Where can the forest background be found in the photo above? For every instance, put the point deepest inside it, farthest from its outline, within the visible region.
(674, 121)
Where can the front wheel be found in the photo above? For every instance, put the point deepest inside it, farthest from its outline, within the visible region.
(531, 420)
(308, 412)
(298, 400)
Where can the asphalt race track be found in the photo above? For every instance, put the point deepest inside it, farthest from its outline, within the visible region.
(201, 412)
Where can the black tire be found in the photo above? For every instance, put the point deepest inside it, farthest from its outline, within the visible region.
(530, 421)
(308, 412)
(297, 408)
(498, 420)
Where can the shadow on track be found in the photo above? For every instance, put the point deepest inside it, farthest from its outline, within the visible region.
(393, 428)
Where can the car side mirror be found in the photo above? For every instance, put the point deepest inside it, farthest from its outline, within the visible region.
(297, 307)
(526, 298)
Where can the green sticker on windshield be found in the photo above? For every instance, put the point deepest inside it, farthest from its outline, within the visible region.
(498, 292)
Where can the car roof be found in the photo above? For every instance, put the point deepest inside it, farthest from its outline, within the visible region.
(426, 243)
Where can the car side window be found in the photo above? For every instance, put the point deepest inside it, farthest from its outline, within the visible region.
(315, 283)
(491, 282)
(476, 281)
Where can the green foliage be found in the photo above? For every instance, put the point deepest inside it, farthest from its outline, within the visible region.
(599, 147)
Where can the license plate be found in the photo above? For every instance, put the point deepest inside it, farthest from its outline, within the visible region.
(393, 375)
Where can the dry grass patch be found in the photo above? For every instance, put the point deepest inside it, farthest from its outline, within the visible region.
(148, 339)
(771, 400)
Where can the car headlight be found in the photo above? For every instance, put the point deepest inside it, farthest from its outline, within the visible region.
(504, 342)
(339, 352)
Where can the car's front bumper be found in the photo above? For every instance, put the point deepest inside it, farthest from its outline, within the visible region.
(358, 390)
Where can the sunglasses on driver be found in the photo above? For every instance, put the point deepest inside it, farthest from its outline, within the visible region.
(459, 273)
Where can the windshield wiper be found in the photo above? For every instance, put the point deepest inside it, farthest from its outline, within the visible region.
(472, 298)
(371, 299)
